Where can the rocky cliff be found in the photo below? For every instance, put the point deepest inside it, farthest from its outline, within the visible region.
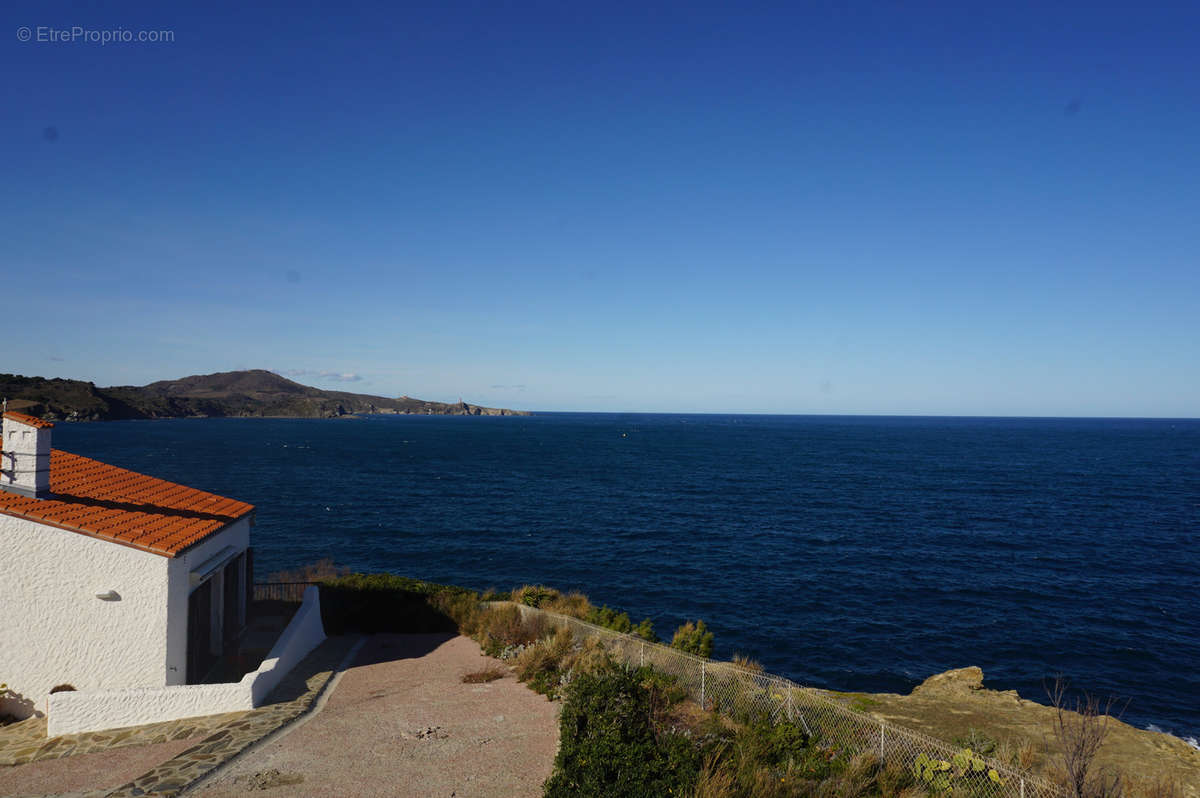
(956, 706)
(233, 393)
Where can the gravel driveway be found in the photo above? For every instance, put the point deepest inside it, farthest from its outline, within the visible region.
(399, 723)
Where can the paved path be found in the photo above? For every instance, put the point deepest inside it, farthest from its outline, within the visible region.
(401, 723)
(61, 765)
(94, 774)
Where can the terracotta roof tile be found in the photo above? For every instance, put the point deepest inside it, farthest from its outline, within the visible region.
(32, 421)
(116, 504)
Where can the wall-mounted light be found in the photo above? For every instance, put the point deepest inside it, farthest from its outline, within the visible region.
(111, 595)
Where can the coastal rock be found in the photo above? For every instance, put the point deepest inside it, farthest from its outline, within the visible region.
(955, 706)
(959, 680)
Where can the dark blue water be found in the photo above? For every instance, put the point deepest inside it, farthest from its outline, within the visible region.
(858, 553)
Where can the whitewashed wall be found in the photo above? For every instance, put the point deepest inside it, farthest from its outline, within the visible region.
(53, 629)
(26, 461)
(304, 633)
(72, 713)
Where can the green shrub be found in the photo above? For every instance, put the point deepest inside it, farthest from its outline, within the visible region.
(609, 747)
(781, 745)
(534, 595)
(693, 638)
(372, 603)
(610, 619)
(645, 630)
(780, 761)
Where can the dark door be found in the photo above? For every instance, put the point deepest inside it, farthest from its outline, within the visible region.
(199, 646)
(231, 626)
(249, 555)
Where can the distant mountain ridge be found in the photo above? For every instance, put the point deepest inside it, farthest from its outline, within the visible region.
(255, 392)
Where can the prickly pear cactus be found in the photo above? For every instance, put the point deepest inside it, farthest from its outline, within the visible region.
(965, 768)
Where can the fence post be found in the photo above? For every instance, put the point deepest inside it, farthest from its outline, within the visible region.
(881, 743)
(791, 712)
(643, 658)
(1022, 788)
(702, 685)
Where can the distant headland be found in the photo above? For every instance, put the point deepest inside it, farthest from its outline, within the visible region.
(240, 394)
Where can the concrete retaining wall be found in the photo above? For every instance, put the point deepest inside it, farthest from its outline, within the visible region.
(76, 712)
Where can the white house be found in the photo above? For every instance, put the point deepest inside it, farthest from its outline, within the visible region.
(110, 579)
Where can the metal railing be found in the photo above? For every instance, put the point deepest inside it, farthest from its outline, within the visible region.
(280, 591)
(939, 766)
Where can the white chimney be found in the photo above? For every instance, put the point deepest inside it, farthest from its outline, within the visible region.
(25, 460)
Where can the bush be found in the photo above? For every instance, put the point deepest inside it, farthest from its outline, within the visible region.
(372, 603)
(645, 630)
(462, 608)
(574, 604)
(608, 745)
(693, 638)
(610, 619)
(534, 595)
(319, 571)
(781, 761)
(502, 627)
(545, 664)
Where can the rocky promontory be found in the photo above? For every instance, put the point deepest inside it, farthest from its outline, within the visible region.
(226, 394)
(955, 705)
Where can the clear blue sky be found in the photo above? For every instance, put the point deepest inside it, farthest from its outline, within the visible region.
(955, 208)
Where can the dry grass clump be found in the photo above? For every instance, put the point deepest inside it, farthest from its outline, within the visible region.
(755, 766)
(574, 604)
(548, 654)
(577, 605)
(589, 656)
(1020, 754)
(745, 662)
(499, 628)
(1158, 787)
(461, 607)
(553, 662)
(489, 674)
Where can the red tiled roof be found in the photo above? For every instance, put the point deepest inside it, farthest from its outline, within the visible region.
(115, 504)
(32, 421)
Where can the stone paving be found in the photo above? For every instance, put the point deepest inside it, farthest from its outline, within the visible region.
(224, 736)
(291, 699)
(90, 774)
(24, 742)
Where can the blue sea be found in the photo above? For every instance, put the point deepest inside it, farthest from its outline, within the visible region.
(854, 553)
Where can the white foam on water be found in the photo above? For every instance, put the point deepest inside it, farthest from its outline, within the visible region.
(1192, 741)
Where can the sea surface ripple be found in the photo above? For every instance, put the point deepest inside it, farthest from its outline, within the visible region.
(856, 553)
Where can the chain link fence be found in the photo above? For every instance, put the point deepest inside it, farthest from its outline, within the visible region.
(742, 692)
